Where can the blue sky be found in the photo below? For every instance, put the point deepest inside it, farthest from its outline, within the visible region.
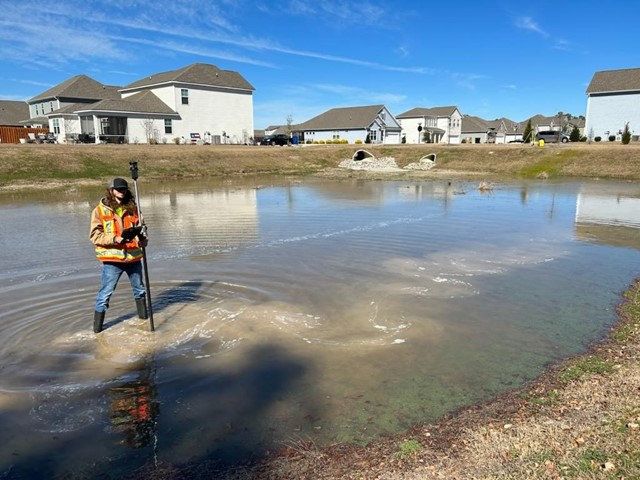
(491, 59)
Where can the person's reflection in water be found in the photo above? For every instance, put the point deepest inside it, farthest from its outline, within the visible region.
(134, 408)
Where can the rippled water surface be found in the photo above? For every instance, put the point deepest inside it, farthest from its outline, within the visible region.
(335, 311)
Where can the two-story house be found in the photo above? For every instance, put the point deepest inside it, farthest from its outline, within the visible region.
(197, 101)
(613, 101)
(436, 124)
(211, 102)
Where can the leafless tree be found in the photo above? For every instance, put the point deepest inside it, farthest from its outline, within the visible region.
(149, 130)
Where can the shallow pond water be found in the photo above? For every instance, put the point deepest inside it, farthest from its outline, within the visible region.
(329, 310)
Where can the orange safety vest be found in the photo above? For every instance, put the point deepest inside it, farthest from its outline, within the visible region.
(125, 252)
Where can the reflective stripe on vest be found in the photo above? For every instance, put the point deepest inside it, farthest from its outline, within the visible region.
(127, 252)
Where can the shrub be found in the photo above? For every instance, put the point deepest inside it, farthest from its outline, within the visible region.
(358, 142)
(612, 138)
(176, 140)
(597, 139)
(626, 135)
(583, 138)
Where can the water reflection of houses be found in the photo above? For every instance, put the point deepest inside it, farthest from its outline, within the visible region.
(351, 191)
(605, 217)
(221, 217)
(224, 217)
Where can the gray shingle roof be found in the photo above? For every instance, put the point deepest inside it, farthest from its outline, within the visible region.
(347, 118)
(473, 124)
(615, 81)
(81, 87)
(195, 74)
(13, 112)
(476, 124)
(428, 112)
(142, 102)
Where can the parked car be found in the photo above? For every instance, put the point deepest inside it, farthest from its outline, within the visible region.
(552, 136)
(277, 139)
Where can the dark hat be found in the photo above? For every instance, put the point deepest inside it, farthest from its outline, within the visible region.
(118, 183)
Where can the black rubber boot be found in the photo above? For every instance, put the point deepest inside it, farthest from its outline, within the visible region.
(98, 320)
(141, 305)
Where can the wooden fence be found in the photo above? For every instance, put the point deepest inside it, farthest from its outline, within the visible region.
(14, 134)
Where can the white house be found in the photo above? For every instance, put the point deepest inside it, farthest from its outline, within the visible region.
(199, 101)
(443, 124)
(208, 101)
(351, 124)
(613, 101)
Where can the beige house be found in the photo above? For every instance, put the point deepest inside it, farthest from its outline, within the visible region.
(440, 124)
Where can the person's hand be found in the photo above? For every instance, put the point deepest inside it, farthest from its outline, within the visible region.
(130, 233)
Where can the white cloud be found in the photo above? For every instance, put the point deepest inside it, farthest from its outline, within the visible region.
(527, 23)
(199, 51)
(341, 11)
(467, 80)
(360, 95)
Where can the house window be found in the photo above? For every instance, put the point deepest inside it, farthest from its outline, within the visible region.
(51, 106)
(373, 135)
(184, 93)
(37, 113)
(168, 127)
(336, 136)
(56, 125)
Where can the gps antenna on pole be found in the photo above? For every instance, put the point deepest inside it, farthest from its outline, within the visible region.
(134, 175)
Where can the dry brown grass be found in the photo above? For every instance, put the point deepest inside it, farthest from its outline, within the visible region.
(31, 163)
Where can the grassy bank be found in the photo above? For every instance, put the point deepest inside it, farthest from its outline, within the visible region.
(27, 164)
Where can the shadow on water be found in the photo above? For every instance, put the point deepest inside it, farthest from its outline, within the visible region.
(138, 429)
(185, 293)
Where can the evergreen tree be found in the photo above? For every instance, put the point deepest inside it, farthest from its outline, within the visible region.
(626, 134)
(575, 134)
(527, 135)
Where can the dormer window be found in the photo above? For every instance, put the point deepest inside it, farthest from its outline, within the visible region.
(184, 93)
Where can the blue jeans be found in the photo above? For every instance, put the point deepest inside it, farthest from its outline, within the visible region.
(111, 273)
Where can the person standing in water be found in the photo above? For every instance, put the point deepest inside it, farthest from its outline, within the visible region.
(118, 238)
